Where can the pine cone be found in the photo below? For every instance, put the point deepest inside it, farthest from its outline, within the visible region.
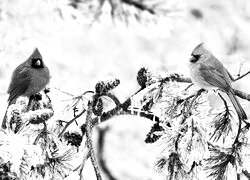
(5, 173)
(142, 77)
(99, 87)
(15, 121)
(98, 107)
(103, 87)
(74, 139)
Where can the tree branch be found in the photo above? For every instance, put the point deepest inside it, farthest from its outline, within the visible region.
(178, 78)
(247, 174)
(242, 94)
(89, 128)
(114, 98)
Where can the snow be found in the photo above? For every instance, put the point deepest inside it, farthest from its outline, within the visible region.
(79, 55)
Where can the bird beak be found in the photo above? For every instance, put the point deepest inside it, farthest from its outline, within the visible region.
(193, 59)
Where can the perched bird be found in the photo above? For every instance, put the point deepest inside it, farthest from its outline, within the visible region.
(208, 72)
(28, 78)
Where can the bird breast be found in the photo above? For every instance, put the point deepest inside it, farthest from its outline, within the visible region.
(197, 77)
(39, 79)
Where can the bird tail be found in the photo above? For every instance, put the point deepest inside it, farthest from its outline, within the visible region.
(4, 126)
(4, 120)
(240, 111)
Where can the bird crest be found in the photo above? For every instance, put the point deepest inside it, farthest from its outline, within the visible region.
(36, 54)
(199, 49)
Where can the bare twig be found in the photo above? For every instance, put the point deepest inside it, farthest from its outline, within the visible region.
(238, 78)
(188, 86)
(71, 121)
(64, 92)
(241, 76)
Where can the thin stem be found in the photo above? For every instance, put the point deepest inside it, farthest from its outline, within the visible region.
(238, 133)
(224, 101)
(70, 122)
(238, 78)
(64, 92)
(42, 134)
(188, 87)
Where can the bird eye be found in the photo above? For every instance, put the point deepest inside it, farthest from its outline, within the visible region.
(196, 56)
(38, 63)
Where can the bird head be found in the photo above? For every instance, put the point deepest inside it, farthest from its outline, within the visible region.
(36, 59)
(199, 53)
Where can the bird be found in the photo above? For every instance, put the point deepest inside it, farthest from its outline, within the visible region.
(207, 72)
(29, 78)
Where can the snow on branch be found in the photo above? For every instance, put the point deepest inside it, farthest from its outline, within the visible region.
(194, 136)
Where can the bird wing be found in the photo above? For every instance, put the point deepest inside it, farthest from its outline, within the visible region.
(20, 81)
(216, 76)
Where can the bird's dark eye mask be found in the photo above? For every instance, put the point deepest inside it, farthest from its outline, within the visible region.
(37, 63)
(195, 57)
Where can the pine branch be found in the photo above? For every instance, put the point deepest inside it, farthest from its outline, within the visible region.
(188, 112)
(179, 78)
(222, 122)
(218, 161)
(102, 89)
(122, 109)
